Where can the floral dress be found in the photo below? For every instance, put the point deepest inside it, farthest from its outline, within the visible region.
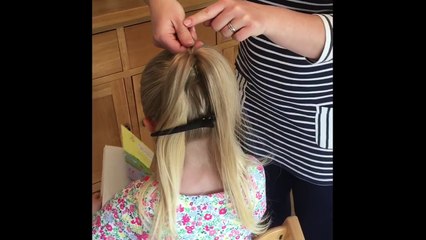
(210, 216)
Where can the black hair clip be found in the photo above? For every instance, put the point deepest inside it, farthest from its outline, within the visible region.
(206, 121)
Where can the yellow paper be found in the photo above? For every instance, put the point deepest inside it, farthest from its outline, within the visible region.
(135, 147)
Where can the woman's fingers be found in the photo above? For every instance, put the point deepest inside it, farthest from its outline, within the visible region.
(206, 14)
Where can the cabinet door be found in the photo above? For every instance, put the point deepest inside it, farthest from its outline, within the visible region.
(145, 134)
(106, 54)
(109, 111)
(139, 44)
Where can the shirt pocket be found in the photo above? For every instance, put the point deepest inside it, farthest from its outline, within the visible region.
(324, 127)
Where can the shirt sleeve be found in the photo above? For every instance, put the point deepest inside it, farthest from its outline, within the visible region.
(259, 190)
(260, 207)
(119, 218)
(327, 52)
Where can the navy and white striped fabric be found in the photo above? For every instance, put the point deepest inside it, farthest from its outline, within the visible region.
(288, 100)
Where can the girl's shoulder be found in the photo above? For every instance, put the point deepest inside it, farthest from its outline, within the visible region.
(119, 217)
(255, 166)
(256, 172)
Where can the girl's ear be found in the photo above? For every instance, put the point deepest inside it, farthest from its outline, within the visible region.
(149, 124)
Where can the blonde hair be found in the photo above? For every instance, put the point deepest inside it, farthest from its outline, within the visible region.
(175, 89)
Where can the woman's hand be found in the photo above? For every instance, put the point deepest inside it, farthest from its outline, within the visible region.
(299, 32)
(167, 24)
(247, 18)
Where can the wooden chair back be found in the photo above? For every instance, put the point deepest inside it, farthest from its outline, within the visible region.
(289, 230)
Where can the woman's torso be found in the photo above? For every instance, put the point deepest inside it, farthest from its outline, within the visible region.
(288, 103)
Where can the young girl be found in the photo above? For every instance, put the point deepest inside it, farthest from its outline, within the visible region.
(202, 185)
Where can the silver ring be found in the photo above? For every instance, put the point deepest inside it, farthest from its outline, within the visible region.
(231, 28)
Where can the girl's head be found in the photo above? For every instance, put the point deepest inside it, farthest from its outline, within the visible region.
(177, 89)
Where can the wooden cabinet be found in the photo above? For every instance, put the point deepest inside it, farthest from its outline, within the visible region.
(122, 46)
(228, 48)
(109, 111)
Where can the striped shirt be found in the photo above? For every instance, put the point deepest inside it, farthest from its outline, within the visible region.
(288, 100)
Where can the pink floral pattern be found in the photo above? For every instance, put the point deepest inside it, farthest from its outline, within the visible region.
(209, 216)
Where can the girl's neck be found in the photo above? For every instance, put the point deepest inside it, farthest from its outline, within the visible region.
(200, 175)
(197, 153)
